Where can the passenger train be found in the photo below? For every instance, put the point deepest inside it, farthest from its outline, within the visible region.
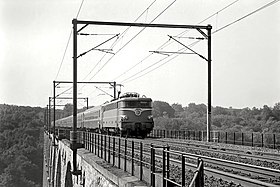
(129, 115)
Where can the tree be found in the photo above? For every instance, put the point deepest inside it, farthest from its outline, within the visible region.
(21, 147)
(160, 107)
(267, 113)
(178, 109)
(220, 110)
(68, 110)
(276, 111)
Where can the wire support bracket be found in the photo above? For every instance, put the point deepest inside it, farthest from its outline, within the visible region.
(188, 48)
(95, 48)
(82, 28)
(168, 53)
(87, 34)
(194, 38)
(203, 34)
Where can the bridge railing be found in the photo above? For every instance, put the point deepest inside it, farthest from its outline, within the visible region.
(174, 172)
(198, 179)
(136, 158)
(120, 152)
(255, 139)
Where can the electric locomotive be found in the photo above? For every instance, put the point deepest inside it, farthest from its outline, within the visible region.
(129, 115)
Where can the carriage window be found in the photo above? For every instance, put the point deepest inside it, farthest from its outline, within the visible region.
(144, 104)
(131, 104)
(136, 104)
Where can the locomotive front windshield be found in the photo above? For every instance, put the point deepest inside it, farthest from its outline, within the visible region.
(137, 104)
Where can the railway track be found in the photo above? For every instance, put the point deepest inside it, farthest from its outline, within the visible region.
(239, 173)
(262, 157)
(235, 173)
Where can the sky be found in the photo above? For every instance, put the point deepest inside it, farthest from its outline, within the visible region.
(245, 55)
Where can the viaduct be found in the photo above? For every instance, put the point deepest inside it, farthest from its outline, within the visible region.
(95, 171)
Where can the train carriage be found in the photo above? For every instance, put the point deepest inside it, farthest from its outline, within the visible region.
(129, 115)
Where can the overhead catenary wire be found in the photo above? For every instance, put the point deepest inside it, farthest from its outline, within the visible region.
(125, 32)
(133, 77)
(171, 57)
(68, 41)
(121, 35)
(133, 38)
(80, 9)
(247, 15)
(168, 42)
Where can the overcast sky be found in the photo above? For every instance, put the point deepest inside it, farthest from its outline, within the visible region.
(245, 55)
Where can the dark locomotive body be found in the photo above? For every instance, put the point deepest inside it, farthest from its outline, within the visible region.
(130, 115)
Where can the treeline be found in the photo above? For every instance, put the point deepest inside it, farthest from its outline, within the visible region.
(21, 146)
(194, 117)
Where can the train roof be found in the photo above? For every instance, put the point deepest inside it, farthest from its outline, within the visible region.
(129, 96)
(93, 108)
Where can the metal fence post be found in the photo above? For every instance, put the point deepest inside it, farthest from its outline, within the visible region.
(84, 139)
(152, 167)
(119, 155)
(200, 179)
(226, 137)
(101, 145)
(132, 158)
(163, 167)
(125, 153)
(262, 139)
(87, 141)
(95, 144)
(183, 171)
(252, 139)
(141, 161)
(105, 147)
(98, 144)
(114, 142)
(167, 162)
(274, 142)
(234, 138)
(109, 149)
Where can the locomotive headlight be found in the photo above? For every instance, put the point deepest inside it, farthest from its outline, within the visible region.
(150, 117)
(124, 117)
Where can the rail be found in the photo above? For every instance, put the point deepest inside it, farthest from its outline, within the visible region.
(253, 139)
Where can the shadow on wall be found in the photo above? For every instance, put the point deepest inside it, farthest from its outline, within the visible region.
(58, 171)
(68, 177)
